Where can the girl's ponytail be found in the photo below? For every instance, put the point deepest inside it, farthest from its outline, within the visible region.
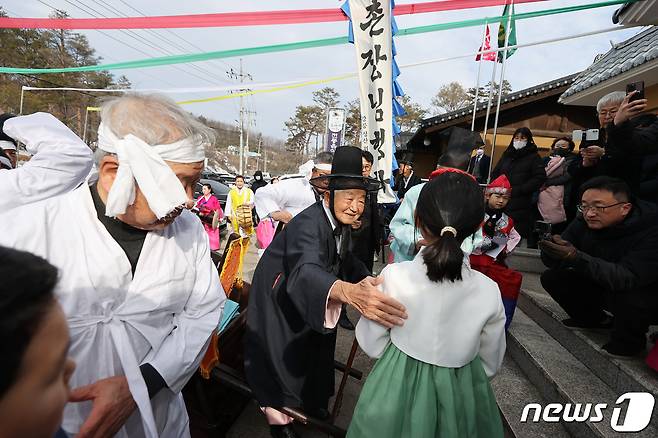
(450, 208)
(444, 257)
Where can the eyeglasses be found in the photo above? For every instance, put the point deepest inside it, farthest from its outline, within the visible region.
(585, 208)
(606, 113)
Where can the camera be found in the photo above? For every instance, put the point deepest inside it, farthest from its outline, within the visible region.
(544, 230)
(586, 138)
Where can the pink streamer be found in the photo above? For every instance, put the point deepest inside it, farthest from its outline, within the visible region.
(231, 19)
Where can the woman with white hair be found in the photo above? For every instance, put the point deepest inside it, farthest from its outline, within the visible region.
(138, 286)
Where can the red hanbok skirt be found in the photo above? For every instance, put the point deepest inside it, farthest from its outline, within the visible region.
(508, 281)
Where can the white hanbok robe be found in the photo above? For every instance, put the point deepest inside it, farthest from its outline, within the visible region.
(448, 324)
(60, 161)
(163, 316)
(292, 195)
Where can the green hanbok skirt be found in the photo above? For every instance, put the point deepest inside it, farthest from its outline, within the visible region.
(406, 398)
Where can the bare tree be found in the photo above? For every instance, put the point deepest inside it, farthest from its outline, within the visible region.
(450, 97)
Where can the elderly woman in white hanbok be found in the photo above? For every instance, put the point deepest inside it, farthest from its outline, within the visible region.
(137, 283)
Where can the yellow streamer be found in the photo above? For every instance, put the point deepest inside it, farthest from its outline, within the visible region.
(251, 92)
(268, 90)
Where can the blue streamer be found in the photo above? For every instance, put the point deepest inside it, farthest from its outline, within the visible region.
(350, 31)
(397, 89)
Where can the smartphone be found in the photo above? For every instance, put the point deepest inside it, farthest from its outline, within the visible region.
(586, 138)
(635, 86)
(544, 230)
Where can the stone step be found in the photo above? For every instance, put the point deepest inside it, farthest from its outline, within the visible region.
(525, 260)
(513, 391)
(620, 374)
(561, 378)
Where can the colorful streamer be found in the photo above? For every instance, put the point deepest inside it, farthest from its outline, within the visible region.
(180, 59)
(298, 84)
(230, 19)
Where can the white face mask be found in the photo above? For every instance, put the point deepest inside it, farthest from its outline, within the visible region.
(257, 178)
(519, 144)
(479, 152)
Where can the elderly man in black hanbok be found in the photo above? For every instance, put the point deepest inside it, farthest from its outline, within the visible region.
(299, 285)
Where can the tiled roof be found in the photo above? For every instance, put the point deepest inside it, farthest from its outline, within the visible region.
(623, 57)
(507, 98)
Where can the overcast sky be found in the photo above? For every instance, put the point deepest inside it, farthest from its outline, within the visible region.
(528, 67)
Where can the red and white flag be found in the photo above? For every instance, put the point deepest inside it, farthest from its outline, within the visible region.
(490, 56)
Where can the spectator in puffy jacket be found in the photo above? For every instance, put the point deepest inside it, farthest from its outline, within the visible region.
(606, 261)
(524, 169)
(556, 203)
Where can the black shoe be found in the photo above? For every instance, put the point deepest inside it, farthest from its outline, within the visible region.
(618, 349)
(344, 321)
(606, 323)
(286, 431)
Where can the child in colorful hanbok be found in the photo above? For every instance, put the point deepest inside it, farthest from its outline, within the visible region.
(432, 376)
(500, 239)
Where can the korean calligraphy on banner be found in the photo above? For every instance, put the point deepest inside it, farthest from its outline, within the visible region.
(335, 129)
(371, 23)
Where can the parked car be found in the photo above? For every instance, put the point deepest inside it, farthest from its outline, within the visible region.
(220, 191)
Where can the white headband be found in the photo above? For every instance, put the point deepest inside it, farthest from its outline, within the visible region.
(306, 169)
(145, 165)
(7, 145)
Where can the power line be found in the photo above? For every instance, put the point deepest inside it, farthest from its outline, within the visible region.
(152, 32)
(84, 8)
(194, 46)
(61, 11)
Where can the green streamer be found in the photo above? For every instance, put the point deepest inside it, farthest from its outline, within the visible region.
(207, 56)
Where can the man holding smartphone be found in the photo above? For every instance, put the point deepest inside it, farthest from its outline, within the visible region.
(605, 263)
(631, 130)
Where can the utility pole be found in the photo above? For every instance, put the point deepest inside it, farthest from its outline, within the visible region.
(260, 142)
(249, 123)
(241, 76)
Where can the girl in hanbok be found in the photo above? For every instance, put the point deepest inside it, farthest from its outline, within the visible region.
(208, 204)
(432, 376)
(500, 239)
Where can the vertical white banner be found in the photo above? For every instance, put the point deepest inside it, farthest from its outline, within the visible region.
(335, 129)
(371, 23)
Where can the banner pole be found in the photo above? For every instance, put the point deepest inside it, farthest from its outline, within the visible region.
(477, 81)
(500, 90)
(20, 110)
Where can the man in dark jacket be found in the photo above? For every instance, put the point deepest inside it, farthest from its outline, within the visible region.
(628, 137)
(525, 171)
(479, 166)
(606, 260)
(623, 132)
(367, 232)
(406, 178)
(258, 182)
(296, 294)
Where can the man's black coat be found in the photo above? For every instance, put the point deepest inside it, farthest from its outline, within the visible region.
(289, 354)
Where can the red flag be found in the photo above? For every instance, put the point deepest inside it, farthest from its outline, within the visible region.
(490, 56)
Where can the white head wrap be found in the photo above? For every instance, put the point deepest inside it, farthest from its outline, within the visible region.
(7, 145)
(145, 165)
(306, 169)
